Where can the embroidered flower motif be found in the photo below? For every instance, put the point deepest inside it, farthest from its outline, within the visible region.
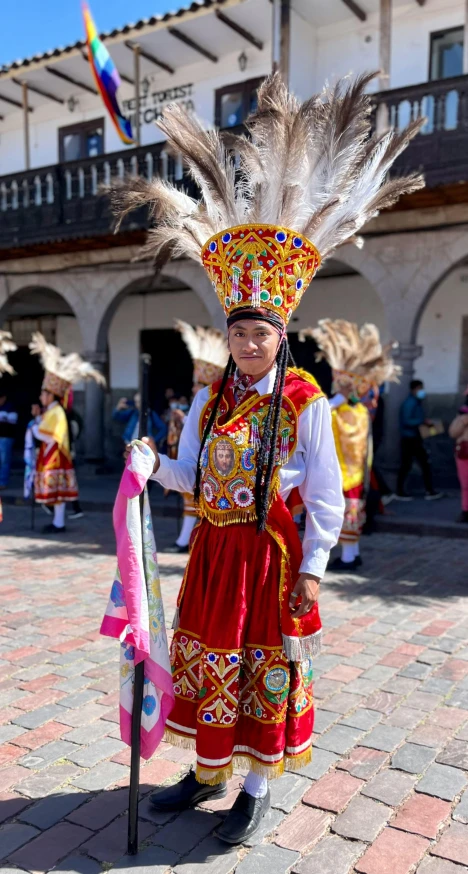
(117, 594)
(223, 504)
(276, 680)
(207, 492)
(243, 497)
(149, 704)
(129, 652)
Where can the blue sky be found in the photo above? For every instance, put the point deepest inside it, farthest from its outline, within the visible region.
(34, 26)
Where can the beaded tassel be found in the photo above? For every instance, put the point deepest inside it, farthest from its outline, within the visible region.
(235, 293)
(255, 299)
(255, 441)
(284, 447)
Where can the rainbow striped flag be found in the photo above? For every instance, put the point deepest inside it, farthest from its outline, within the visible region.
(106, 77)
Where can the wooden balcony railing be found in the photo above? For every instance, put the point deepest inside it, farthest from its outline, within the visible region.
(63, 201)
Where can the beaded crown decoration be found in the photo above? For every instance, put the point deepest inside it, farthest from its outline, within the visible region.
(260, 265)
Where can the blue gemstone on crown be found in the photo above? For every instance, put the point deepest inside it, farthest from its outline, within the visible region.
(226, 238)
(213, 246)
(297, 243)
(280, 236)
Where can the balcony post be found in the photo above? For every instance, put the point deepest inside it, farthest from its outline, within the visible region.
(136, 69)
(281, 23)
(385, 43)
(465, 40)
(27, 151)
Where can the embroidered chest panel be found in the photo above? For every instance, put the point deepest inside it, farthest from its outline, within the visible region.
(229, 461)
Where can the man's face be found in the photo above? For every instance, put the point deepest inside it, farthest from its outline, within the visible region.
(224, 458)
(46, 398)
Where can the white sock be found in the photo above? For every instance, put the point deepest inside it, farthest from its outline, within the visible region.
(59, 515)
(188, 524)
(356, 549)
(347, 552)
(255, 785)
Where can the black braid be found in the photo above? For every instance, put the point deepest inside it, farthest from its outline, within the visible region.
(267, 453)
(209, 424)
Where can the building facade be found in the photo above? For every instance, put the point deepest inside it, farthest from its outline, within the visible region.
(63, 271)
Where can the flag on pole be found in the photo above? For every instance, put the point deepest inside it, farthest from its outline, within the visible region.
(135, 612)
(106, 77)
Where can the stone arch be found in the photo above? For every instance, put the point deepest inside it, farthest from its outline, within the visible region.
(432, 290)
(36, 301)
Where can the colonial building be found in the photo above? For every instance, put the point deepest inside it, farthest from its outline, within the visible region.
(64, 272)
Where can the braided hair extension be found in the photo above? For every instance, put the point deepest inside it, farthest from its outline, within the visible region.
(267, 452)
(229, 369)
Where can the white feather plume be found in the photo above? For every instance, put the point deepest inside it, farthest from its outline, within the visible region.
(71, 368)
(6, 345)
(204, 344)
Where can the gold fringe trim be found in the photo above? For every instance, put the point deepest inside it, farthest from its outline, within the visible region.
(211, 778)
(295, 763)
(221, 518)
(179, 740)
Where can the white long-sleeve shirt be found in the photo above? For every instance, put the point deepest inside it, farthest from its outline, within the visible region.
(313, 468)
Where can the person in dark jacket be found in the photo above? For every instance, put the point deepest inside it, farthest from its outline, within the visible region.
(8, 423)
(412, 416)
(128, 413)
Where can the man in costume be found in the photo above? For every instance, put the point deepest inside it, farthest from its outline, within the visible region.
(209, 353)
(248, 624)
(7, 422)
(55, 479)
(359, 365)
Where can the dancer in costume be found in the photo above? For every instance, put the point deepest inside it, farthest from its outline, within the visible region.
(55, 479)
(360, 364)
(209, 353)
(248, 624)
(8, 417)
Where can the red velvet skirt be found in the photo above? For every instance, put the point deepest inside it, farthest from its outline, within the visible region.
(55, 478)
(238, 699)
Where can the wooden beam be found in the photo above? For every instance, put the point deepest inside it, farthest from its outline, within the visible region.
(245, 34)
(27, 150)
(276, 35)
(357, 10)
(385, 43)
(148, 56)
(174, 31)
(285, 39)
(37, 90)
(123, 76)
(71, 80)
(14, 102)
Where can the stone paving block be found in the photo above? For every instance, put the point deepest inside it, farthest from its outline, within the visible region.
(322, 761)
(78, 865)
(394, 852)
(71, 684)
(51, 846)
(433, 865)
(47, 755)
(422, 815)
(73, 669)
(456, 699)
(400, 685)
(442, 781)
(432, 657)
(101, 809)
(100, 777)
(15, 835)
(270, 822)
(267, 858)
(287, 791)
(423, 701)
(429, 735)
(446, 644)
(333, 792)
(325, 688)
(362, 718)
(79, 699)
(383, 702)
(342, 673)
(363, 762)
(210, 857)
(44, 782)
(323, 719)
(11, 805)
(460, 814)
(152, 860)
(83, 716)
(455, 754)
(362, 820)
(110, 843)
(89, 733)
(145, 809)
(413, 758)
(436, 686)
(453, 844)
(449, 717)
(342, 702)
(12, 776)
(384, 737)
(89, 756)
(302, 829)
(9, 732)
(415, 671)
(332, 855)
(339, 739)
(390, 787)
(38, 717)
(380, 673)
(50, 810)
(186, 831)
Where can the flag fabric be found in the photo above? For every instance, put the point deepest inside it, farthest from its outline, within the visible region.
(106, 77)
(135, 612)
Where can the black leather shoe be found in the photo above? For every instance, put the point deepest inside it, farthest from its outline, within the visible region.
(186, 793)
(340, 566)
(244, 818)
(176, 548)
(52, 529)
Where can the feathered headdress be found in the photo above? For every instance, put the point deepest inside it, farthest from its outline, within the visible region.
(208, 350)
(61, 371)
(356, 355)
(6, 345)
(310, 177)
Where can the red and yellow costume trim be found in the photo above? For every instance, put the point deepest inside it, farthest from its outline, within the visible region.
(55, 479)
(242, 667)
(351, 429)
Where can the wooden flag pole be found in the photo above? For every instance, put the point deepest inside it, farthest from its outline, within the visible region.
(132, 847)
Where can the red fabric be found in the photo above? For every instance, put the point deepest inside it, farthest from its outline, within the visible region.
(354, 515)
(55, 478)
(227, 654)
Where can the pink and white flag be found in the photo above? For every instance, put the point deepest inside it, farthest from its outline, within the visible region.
(135, 612)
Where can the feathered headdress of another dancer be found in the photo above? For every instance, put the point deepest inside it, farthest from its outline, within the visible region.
(208, 351)
(356, 355)
(61, 371)
(311, 175)
(6, 345)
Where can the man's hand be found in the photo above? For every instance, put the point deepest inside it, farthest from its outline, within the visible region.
(122, 404)
(152, 446)
(304, 595)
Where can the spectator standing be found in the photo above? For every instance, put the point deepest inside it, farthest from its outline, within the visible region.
(412, 416)
(128, 413)
(8, 423)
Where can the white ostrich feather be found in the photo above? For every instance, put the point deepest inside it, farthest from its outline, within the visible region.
(71, 368)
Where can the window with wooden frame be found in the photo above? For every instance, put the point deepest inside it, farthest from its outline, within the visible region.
(234, 103)
(82, 140)
(446, 54)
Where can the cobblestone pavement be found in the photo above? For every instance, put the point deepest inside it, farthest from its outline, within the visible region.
(387, 788)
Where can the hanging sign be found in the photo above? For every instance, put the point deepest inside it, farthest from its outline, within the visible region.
(152, 104)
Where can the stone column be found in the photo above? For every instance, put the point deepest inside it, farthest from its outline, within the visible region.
(94, 410)
(405, 356)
